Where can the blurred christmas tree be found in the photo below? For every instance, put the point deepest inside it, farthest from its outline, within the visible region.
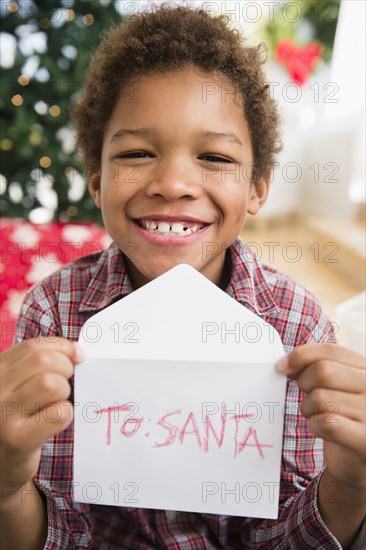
(46, 50)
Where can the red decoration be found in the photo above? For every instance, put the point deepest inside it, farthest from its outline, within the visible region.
(29, 252)
(300, 61)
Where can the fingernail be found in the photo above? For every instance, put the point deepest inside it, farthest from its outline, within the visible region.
(80, 353)
(282, 364)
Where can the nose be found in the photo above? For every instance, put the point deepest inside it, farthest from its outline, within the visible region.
(174, 179)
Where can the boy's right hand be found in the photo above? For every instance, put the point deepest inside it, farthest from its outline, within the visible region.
(34, 388)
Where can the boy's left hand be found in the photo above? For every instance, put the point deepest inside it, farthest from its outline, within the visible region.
(333, 379)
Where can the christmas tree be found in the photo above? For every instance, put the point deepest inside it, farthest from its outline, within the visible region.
(53, 41)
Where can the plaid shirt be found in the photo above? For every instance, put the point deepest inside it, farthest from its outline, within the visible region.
(62, 303)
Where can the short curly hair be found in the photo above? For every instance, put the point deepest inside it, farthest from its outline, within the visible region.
(168, 39)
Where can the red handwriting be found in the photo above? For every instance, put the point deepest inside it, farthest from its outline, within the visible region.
(208, 426)
(191, 419)
(109, 410)
(169, 422)
(251, 432)
(173, 430)
(134, 422)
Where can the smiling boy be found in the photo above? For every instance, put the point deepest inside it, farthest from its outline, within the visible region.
(174, 140)
(168, 166)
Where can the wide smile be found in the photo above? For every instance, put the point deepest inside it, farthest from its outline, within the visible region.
(170, 231)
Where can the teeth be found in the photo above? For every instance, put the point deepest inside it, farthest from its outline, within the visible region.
(164, 228)
(177, 228)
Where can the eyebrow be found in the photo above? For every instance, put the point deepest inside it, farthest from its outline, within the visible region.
(227, 136)
(132, 132)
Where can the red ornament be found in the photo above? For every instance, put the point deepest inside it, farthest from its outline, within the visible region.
(300, 61)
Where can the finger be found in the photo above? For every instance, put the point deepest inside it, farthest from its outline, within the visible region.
(336, 376)
(30, 435)
(38, 362)
(40, 392)
(345, 432)
(71, 349)
(302, 356)
(328, 403)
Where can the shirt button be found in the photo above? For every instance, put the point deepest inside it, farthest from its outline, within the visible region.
(170, 515)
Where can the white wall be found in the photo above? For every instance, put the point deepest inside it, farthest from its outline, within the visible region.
(325, 129)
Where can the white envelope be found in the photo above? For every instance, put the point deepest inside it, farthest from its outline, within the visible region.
(178, 405)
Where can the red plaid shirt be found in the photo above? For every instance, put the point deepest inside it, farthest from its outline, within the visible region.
(62, 303)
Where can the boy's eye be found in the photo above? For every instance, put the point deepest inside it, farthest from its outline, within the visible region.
(215, 158)
(144, 154)
(134, 155)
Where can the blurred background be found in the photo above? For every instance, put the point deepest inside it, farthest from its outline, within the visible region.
(311, 228)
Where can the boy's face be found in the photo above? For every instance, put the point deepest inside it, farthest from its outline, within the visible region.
(174, 185)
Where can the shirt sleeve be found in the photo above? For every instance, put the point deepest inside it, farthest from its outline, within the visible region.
(299, 523)
(68, 522)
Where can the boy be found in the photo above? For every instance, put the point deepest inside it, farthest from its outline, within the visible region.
(167, 165)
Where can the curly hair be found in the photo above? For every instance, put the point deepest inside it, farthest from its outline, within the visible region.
(168, 39)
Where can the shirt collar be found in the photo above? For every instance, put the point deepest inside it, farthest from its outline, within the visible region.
(248, 284)
(109, 281)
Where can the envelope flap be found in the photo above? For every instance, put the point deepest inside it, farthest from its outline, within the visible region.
(180, 314)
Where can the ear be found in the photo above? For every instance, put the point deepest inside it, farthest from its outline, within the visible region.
(258, 193)
(94, 189)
